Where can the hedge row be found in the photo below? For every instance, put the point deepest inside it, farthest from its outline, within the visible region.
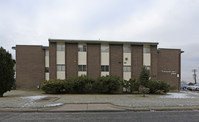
(82, 84)
(154, 86)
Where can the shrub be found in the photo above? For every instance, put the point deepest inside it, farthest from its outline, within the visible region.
(6, 71)
(81, 84)
(126, 85)
(144, 77)
(157, 86)
(55, 86)
(107, 84)
(134, 85)
(143, 90)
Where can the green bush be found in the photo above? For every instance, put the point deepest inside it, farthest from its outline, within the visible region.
(144, 77)
(81, 84)
(157, 86)
(107, 84)
(134, 85)
(6, 71)
(55, 86)
(126, 85)
(143, 90)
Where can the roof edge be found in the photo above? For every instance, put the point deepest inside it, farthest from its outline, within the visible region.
(100, 41)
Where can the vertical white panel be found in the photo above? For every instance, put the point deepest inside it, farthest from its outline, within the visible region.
(82, 58)
(104, 73)
(47, 76)
(60, 74)
(46, 61)
(127, 59)
(81, 73)
(104, 58)
(60, 57)
(147, 59)
(105, 49)
(126, 75)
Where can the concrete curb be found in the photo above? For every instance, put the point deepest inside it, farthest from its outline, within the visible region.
(116, 109)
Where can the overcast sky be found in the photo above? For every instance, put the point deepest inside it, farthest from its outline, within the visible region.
(172, 23)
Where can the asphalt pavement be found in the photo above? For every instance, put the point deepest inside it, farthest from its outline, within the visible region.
(147, 116)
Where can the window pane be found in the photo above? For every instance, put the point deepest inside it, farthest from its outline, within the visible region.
(46, 69)
(84, 67)
(79, 67)
(60, 47)
(127, 49)
(46, 52)
(63, 68)
(58, 67)
(107, 68)
(127, 69)
(148, 68)
(104, 48)
(104, 68)
(82, 48)
(147, 49)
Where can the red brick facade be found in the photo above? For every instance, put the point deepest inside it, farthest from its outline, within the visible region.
(30, 71)
(71, 59)
(30, 62)
(169, 63)
(93, 60)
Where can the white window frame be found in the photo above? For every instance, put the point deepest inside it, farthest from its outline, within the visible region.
(82, 47)
(126, 48)
(105, 68)
(60, 47)
(104, 48)
(126, 68)
(82, 68)
(60, 67)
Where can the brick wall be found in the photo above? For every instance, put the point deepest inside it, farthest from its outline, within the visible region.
(169, 67)
(116, 60)
(71, 52)
(154, 61)
(52, 60)
(30, 64)
(93, 60)
(137, 60)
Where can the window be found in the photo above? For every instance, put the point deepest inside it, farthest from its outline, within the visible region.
(104, 48)
(46, 52)
(104, 68)
(127, 49)
(60, 47)
(46, 69)
(148, 68)
(127, 69)
(60, 67)
(82, 48)
(147, 49)
(82, 67)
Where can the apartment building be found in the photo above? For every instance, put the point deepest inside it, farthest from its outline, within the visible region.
(65, 58)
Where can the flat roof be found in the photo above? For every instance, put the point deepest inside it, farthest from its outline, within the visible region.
(101, 41)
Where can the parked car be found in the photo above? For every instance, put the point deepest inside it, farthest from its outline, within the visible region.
(183, 86)
(193, 87)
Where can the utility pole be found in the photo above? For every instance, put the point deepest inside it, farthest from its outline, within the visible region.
(194, 74)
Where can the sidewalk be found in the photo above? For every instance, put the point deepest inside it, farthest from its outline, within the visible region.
(18, 100)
